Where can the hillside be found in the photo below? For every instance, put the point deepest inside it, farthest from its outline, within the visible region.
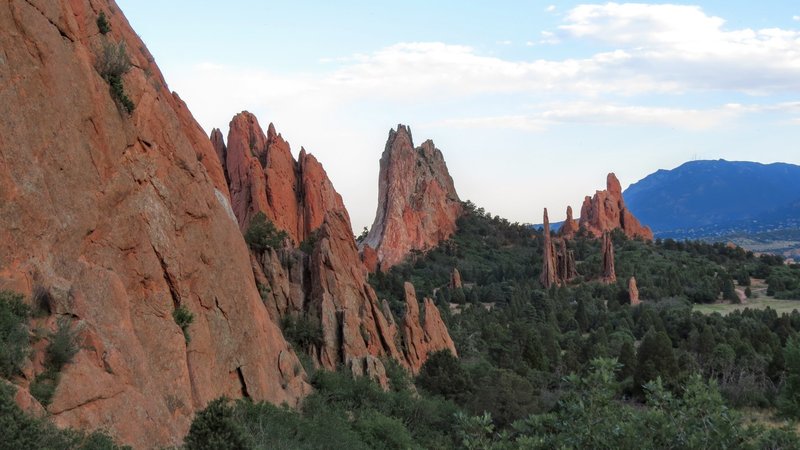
(716, 198)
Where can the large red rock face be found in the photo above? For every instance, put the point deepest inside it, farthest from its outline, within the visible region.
(417, 203)
(327, 285)
(606, 211)
(123, 218)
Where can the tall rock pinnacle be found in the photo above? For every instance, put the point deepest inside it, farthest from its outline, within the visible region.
(325, 281)
(606, 211)
(558, 264)
(609, 273)
(417, 203)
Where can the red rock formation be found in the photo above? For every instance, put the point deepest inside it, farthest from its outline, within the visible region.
(221, 150)
(125, 217)
(558, 265)
(455, 279)
(370, 258)
(423, 336)
(609, 274)
(549, 276)
(606, 211)
(569, 227)
(417, 203)
(633, 291)
(329, 285)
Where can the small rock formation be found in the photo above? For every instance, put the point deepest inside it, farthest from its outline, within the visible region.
(606, 211)
(570, 226)
(417, 203)
(455, 279)
(422, 337)
(633, 291)
(326, 282)
(609, 274)
(124, 217)
(558, 265)
(218, 142)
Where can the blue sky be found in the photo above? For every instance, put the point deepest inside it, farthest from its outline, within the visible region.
(531, 102)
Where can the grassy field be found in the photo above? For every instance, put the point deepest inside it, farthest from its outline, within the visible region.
(781, 306)
(761, 301)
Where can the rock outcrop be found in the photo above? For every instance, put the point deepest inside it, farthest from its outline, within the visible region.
(123, 218)
(417, 203)
(570, 226)
(455, 279)
(606, 211)
(325, 281)
(633, 291)
(558, 264)
(422, 337)
(609, 273)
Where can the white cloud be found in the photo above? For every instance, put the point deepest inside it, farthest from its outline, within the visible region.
(546, 116)
(796, 18)
(683, 44)
(550, 8)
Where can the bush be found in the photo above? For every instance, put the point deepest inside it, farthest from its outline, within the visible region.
(214, 428)
(62, 347)
(262, 234)
(20, 430)
(102, 23)
(183, 317)
(14, 315)
(112, 64)
(60, 351)
(303, 332)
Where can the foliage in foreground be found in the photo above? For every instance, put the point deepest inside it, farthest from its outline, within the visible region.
(21, 431)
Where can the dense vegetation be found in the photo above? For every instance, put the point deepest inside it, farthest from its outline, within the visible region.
(568, 367)
(17, 429)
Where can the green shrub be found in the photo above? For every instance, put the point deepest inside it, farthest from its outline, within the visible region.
(183, 317)
(62, 347)
(262, 234)
(303, 332)
(60, 351)
(43, 387)
(102, 23)
(214, 428)
(14, 345)
(21, 431)
(112, 64)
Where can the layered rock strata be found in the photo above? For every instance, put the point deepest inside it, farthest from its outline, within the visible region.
(417, 202)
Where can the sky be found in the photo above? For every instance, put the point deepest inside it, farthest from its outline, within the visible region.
(531, 102)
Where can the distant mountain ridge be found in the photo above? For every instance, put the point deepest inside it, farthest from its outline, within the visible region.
(714, 198)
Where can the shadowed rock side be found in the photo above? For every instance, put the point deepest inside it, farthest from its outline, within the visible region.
(123, 218)
(417, 203)
(606, 211)
(326, 282)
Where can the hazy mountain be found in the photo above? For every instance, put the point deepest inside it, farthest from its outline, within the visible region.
(715, 198)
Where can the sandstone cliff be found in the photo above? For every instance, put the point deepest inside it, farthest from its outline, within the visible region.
(322, 281)
(417, 203)
(123, 218)
(606, 211)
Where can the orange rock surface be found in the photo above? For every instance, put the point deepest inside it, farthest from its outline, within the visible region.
(328, 285)
(606, 211)
(123, 218)
(417, 203)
